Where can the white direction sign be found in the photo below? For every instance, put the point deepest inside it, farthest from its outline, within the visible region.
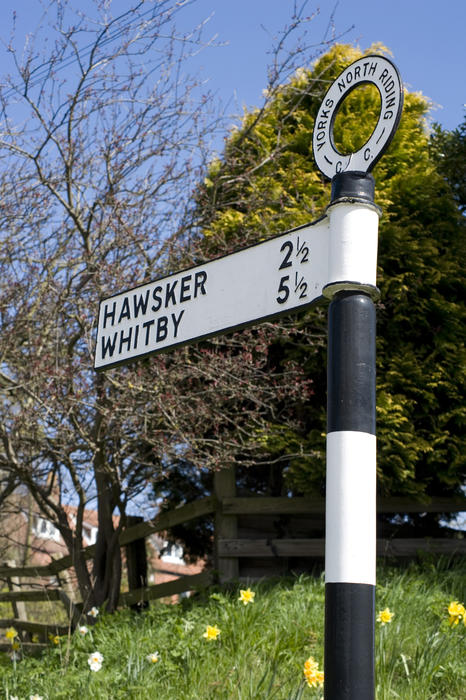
(253, 284)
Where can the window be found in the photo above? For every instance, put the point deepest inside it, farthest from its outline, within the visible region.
(89, 533)
(45, 529)
(172, 553)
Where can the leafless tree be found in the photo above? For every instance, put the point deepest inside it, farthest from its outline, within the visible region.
(103, 137)
(100, 142)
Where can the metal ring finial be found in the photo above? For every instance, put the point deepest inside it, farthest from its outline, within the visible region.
(372, 69)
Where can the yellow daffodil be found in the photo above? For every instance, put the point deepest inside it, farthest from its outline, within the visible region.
(11, 633)
(385, 616)
(15, 646)
(154, 657)
(246, 596)
(310, 665)
(456, 612)
(314, 677)
(35, 638)
(211, 633)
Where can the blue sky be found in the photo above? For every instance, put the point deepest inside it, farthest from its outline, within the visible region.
(426, 38)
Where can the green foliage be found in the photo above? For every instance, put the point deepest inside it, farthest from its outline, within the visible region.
(267, 182)
(411, 652)
(261, 649)
(449, 151)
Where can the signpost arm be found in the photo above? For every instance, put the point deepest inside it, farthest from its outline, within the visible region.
(351, 461)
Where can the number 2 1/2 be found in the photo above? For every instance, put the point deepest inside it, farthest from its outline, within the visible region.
(287, 248)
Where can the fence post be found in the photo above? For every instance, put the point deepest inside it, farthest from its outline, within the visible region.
(136, 563)
(226, 526)
(19, 608)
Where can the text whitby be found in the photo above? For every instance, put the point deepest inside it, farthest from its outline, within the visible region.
(138, 321)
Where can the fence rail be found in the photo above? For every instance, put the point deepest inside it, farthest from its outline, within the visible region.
(168, 589)
(315, 547)
(264, 505)
(229, 548)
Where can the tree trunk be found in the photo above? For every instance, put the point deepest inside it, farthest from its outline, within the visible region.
(82, 573)
(107, 559)
(136, 564)
(106, 570)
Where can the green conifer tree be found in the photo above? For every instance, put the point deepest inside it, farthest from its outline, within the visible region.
(266, 182)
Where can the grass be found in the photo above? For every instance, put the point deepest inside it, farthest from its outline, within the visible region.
(261, 649)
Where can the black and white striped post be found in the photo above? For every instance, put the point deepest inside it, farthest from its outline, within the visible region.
(350, 548)
(350, 539)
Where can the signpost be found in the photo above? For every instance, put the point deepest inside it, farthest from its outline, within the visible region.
(334, 257)
(350, 509)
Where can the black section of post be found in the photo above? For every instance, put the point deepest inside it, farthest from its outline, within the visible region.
(358, 187)
(351, 363)
(349, 641)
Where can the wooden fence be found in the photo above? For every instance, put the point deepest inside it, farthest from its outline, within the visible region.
(246, 545)
(263, 536)
(17, 595)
